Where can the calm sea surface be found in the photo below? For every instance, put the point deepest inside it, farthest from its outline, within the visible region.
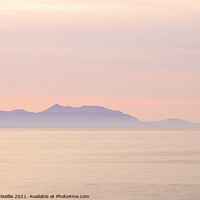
(105, 164)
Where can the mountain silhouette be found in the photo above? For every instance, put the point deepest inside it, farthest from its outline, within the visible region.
(58, 116)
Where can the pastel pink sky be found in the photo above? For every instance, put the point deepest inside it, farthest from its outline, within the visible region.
(138, 56)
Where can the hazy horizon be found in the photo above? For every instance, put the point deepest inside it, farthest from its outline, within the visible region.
(140, 57)
(93, 116)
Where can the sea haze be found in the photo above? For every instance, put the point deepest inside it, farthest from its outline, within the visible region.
(59, 116)
(103, 163)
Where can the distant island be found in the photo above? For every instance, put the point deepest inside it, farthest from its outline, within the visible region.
(59, 116)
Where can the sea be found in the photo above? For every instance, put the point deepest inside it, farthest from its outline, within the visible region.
(100, 164)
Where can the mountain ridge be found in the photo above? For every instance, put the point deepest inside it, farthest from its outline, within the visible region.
(58, 116)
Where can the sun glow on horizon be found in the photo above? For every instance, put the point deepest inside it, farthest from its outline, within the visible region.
(12, 7)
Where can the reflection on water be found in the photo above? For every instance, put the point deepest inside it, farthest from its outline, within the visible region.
(106, 164)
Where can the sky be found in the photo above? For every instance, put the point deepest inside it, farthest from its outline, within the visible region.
(138, 56)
